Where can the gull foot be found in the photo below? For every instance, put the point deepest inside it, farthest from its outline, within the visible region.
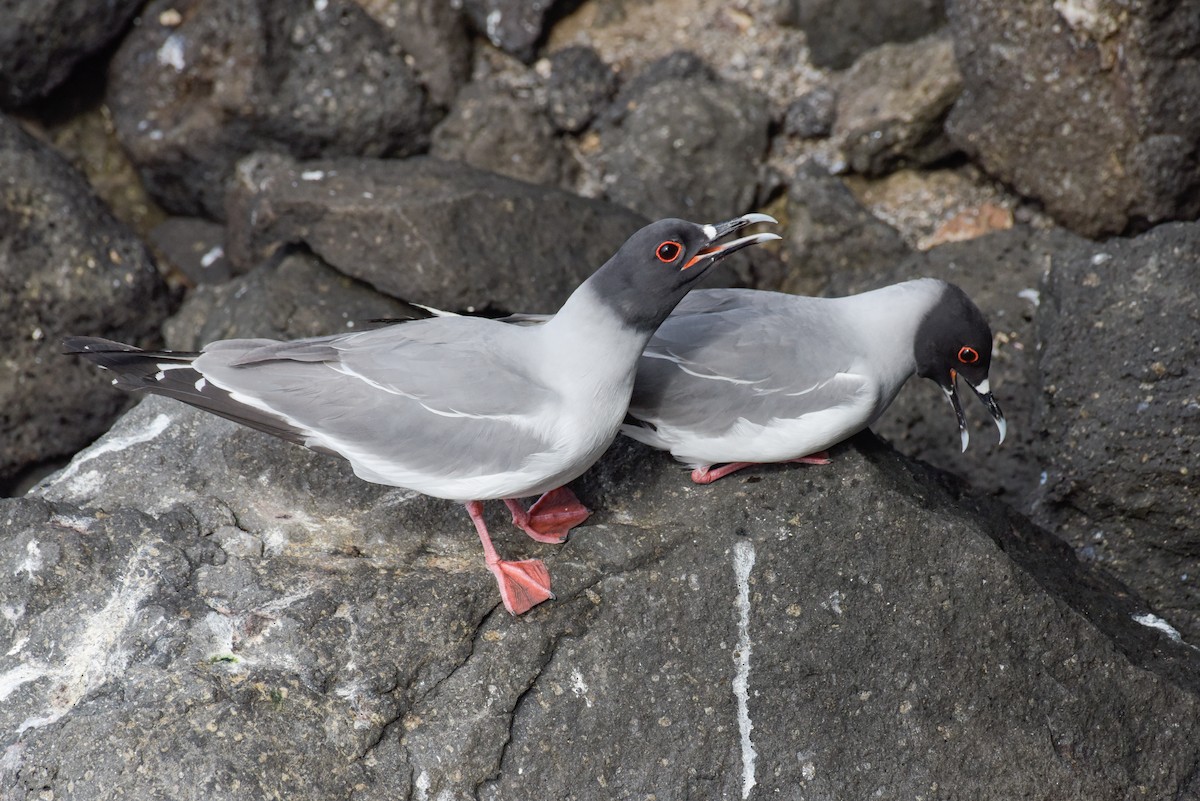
(523, 585)
(551, 517)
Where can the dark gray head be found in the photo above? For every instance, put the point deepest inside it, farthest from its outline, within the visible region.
(955, 340)
(656, 267)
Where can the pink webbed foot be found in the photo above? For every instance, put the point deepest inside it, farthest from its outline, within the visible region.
(523, 584)
(551, 517)
(707, 475)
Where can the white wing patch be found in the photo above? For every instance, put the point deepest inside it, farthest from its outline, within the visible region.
(163, 367)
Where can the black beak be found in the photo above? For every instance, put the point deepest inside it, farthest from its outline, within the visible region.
(985, 395)
(713, 252)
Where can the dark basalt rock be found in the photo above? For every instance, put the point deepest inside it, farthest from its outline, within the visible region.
(679, 142)
(838, 31)
(440, 233)
(831, 237)
(41, 41)
(190, 99)
(239, 593)
(1093, 109)
(578, 86)
(1119, 423)
(893, 104)
(66, 267)
(491, 128)
(515, 26)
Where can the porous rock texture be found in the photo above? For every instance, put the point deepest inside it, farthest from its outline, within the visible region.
(200, 611)
(1093, 108)
(66, 267)
(41, 41)
(416, 229)
(200, 84)
(1119, 423)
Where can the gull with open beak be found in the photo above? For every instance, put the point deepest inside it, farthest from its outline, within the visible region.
(736, 377)
(464, 408)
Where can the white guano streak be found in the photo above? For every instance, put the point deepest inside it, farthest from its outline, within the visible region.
(112, 445)
(743, 563)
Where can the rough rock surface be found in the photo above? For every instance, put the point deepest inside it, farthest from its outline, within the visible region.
(679, 142)
(433, 33)
(492, 129)
(194, 247)
(66, 267)
(812, 114)
(200, 611)
(839, 31)
(295, 296)
(893, 103)
(830, 234)
(514, 26)
(578, 85)
(1120, 426)
(41, 41)
(415, 229)
(1092, 108)
(193, 91)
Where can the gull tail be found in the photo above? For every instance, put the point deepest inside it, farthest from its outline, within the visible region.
(171, 374)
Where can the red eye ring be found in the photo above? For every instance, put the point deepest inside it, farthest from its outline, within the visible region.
(968, 355)
(668, 251)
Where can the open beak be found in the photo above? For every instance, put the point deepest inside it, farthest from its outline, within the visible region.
(713, 252)
(985, 395)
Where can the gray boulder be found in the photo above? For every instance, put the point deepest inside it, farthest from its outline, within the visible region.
(514, 26)
(1119, 425)
(578, 86)
(831, 236)
(839, 31)
(1091, 108)
(41, 41)
(439, 233)
(66, 267)
(292, 297)
(227, 77)
(238, 617)
(892, 105)
(493, 129)
(194, 248)
(812, 114)
(679, 142)
(434, 35)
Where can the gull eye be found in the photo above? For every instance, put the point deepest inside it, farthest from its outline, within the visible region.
(668, 251)
(968, 355)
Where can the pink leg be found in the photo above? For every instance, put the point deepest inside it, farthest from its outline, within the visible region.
(523, 585)
(551, 516)
(707, 475)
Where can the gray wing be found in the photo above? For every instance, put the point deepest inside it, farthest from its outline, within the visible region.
(439, 397)
(731, 354)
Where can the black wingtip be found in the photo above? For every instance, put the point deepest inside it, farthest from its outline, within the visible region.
(95, 346)
(75, 345)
